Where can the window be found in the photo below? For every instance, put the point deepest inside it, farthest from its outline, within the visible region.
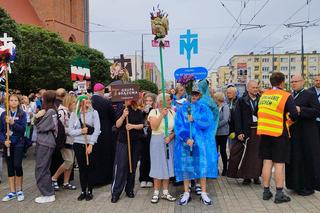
(256, 59)
(266, 60)
(256, 68)
(312, 59)
(312, 68)
(265, 69)
(293, 68)
(292, 59)
(275, 59)
(249, 59)
(284, 68)
(275, 68)
(284, 60)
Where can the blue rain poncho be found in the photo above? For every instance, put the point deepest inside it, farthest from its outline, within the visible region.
(204, 160)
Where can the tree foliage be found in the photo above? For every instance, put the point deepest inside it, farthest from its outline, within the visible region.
(147, 85)
(44, 58)
(43, 61)
(9, 26)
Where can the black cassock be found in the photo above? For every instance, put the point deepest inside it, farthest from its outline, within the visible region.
(303, 172)
(104, 149)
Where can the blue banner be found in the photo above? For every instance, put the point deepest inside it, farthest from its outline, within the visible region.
(198, 72)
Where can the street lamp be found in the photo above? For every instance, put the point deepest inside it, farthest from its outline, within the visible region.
(135, 64)
(142, 54)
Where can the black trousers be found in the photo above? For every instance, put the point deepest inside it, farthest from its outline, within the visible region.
(85, 171)
(221, 141)
(14, 162)
(145, 160)
(121, 174)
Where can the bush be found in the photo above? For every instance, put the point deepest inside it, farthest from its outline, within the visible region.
(147, 85)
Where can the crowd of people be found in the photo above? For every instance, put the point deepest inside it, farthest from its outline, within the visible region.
(176, 137)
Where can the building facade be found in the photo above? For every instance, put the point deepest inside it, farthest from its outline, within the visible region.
(260, 66)
(224, 76)
(213, 78)
(68, 18)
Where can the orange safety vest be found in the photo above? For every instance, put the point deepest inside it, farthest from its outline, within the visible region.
(271, 112)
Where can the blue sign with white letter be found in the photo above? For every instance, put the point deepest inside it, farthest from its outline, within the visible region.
(188, 43)
(198, 72)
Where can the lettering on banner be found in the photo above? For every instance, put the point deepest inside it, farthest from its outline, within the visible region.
(270, 101)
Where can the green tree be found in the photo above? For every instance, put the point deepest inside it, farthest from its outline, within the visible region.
(147, 85)
(9, 26)
(43, 61)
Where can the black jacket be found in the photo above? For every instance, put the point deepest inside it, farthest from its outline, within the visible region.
(243, 115)
(232, 108)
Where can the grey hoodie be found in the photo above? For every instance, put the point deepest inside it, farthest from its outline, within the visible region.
(92, 119)
(46, 128)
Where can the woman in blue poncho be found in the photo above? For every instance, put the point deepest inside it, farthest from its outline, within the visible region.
(195, 154)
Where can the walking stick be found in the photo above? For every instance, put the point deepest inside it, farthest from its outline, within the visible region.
(7, 109)
(85, 135)
(129, 143)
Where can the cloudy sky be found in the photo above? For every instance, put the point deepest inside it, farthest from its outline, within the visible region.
(116, 27)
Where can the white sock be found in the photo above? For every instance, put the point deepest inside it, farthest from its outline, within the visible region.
(205, 197)
(165, 191)
(156, 192)
(185, 196)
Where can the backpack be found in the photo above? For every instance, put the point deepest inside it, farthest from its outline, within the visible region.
(61, 136)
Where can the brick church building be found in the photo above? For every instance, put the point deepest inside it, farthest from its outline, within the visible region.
(69, 18)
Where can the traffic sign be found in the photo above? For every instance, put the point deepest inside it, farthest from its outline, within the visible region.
(198, 72)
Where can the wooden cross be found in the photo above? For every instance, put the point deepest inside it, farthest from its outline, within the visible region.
(125, 63)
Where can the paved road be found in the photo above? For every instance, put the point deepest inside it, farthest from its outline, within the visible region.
(228, 195)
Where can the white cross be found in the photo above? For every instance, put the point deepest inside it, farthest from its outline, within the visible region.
(5, 40)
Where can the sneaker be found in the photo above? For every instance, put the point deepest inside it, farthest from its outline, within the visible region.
(282, 199)
(198, 189)
(267, 195)
(143, 184)
(9, 196)
(45, 199)
(55, 185)
(149, 185)
(185, 199)
(205, 199)
(20, 196)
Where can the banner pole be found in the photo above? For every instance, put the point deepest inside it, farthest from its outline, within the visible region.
(164, 99)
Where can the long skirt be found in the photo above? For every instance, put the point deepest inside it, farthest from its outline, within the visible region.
(244, 159)
(161, 167)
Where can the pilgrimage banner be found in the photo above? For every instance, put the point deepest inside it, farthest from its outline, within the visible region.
(124, 92)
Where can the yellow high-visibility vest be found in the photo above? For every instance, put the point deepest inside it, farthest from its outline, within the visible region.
(271, 112)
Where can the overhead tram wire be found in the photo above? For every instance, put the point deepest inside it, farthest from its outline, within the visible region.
(289, 36)
(229, 33)
(233, 40)
(279, 26)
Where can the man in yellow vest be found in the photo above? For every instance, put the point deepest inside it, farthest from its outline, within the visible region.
(273, 107)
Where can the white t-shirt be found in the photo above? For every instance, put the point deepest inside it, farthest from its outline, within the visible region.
(160, 130)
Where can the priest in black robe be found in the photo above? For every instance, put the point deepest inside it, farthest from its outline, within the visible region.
(104, 149)
(303, 171)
